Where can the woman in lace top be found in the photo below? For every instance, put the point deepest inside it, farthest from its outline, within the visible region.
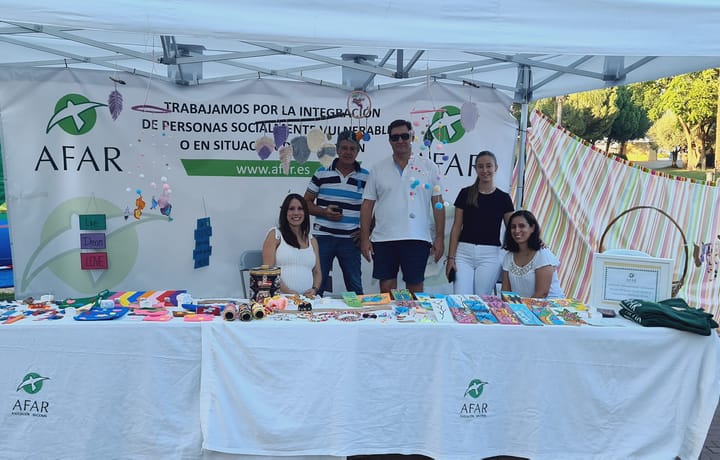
(529, 268)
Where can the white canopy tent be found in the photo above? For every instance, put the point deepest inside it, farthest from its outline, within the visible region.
(525, 48)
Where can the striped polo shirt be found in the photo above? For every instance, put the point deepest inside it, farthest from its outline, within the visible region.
(331, 187)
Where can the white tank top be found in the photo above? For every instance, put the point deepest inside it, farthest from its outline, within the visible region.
(295, 264)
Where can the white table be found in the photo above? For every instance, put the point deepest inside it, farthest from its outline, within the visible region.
(552, 392)
(130, 390)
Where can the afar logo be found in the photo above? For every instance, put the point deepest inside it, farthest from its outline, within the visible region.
(474, 409)
(475, 388)
(32, 383)
(445, 126)
(75, 114)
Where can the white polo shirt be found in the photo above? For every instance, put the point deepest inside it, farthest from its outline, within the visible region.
(403, 202)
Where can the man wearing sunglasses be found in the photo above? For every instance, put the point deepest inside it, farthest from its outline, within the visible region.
(402, 192)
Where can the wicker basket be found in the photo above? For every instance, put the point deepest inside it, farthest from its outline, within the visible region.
(676, 284)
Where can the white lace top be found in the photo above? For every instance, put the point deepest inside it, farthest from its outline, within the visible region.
(522, 278)
(295, 264)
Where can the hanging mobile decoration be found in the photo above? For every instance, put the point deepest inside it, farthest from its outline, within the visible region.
(359, 106)
(469, 113)
(115, 100)
(203, 249)
(264, 147)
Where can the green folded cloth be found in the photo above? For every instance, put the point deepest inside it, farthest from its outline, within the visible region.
(674, 313)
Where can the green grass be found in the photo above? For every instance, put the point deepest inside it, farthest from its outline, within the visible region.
(697, 175)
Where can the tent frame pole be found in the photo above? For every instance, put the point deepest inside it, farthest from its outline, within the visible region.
(522, 139)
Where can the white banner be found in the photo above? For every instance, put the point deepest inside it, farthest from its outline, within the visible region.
(117, 182)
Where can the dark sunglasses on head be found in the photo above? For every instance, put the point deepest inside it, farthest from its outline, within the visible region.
(397, 137)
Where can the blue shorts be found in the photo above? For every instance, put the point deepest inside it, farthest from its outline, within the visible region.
(410, 256)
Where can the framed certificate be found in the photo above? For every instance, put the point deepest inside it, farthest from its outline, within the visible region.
(617, 276)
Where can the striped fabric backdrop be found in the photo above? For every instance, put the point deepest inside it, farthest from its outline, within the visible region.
(576, 191)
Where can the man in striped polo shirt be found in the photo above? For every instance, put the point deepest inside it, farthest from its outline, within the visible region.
(334, 196)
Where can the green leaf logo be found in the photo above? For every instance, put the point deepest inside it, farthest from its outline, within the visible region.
(32, 383)
(475, 388)
(446, 126)
(75, 114)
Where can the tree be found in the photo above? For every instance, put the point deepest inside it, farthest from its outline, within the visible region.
(693, 98)
(631, 122)
(666, 132)
(588, 115)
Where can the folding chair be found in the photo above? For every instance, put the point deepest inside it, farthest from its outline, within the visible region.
(248, 260)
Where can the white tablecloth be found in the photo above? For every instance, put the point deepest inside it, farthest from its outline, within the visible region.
(131, 390)
(276, 388)
(114, 390)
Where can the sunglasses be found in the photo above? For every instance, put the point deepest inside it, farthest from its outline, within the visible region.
(397, 137)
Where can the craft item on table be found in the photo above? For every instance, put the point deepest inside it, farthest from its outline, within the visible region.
(49, 315)
(258, 311)
(570, 317)
(304, 306)
(547, 315)
(84, 302)
(299, 298)
(401, 294)
(179, 313)
(510, 297)
(276, 303)
(459, 311)
(167, 316)
(13, 319)
(348, 316)
(533, 302)
(375, 299)
(423, 297)
(9, 312)
(165, 298)
(147, 311)
(524, 314)
(481, 310)
(503, 313)
(214, 310)
(197, 318)
(569, 303)
(674, 313)
(264, 282)
(351, 299)
(441, 311)
(101, 314)
(244, 312)
(230, 312)
(607, 312)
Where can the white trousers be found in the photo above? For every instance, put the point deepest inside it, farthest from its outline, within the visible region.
(478, 268)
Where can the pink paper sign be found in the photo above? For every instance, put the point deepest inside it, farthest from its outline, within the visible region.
(93, 261)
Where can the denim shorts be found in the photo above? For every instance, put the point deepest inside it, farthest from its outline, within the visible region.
(410, 256)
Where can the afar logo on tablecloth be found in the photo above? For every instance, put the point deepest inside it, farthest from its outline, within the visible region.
(75, 114)
(31, 384)
(472, 409)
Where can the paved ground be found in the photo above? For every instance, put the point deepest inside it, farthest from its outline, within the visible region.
(711, 450)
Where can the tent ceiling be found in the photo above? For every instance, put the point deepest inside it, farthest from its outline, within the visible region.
(378, 45)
